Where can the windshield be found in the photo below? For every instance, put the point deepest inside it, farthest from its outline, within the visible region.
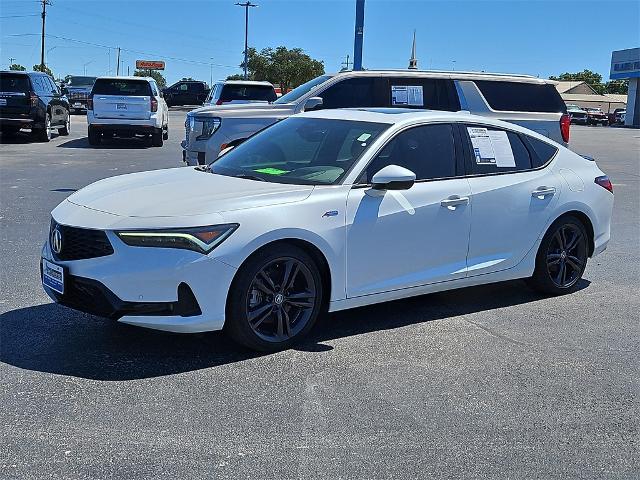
(307, 151)
(81, 81)
(303, 89)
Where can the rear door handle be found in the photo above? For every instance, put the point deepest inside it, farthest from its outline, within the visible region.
(454, 201)
(542, 192)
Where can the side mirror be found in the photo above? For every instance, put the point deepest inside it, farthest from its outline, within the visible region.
(225, 150)
(393, 177)
(312, 103)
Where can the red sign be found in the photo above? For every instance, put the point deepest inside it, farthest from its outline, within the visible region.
(150, 64)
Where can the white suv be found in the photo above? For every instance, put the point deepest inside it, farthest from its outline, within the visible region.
(240, 91)
(126, 107)
(527, 101)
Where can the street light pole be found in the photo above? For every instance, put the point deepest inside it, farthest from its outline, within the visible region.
(246, 6)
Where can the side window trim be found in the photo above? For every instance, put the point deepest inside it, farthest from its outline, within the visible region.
(458, 151)
(468, 159)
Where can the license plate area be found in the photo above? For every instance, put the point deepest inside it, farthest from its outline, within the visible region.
(121, 106)
(53, 276)
(3, 102)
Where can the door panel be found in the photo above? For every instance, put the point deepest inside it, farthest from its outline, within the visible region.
(401, 239)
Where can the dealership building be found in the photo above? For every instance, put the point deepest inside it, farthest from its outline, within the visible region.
(625, 65)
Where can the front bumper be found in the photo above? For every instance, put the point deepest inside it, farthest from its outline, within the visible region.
(159, 288)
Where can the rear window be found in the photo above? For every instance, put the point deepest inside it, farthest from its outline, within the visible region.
(542, 152)
(80, 81)
(245, 92)
(521, 97)
(14, 83)
(115, 86)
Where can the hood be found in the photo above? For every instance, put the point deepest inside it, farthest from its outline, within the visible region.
(243, 109)
(184, 191)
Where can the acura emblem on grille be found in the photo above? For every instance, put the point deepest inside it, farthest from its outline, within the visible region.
(56, 241)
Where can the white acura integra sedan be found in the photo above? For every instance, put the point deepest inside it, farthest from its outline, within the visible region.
(328, 210)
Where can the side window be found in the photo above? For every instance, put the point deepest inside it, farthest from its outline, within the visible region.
(427, 151)
(542, 152)
(54, 87)
(521, 96)
(355, 93)
(493, 150)
(36, 80)
(154, 89)
(415, 92)
(196, 88)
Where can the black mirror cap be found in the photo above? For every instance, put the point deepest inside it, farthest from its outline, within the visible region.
(398, 185)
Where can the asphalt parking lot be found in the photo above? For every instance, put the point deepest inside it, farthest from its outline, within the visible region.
(486, 382)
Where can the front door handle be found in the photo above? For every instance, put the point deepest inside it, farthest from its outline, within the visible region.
(542, 192)
(454, 201)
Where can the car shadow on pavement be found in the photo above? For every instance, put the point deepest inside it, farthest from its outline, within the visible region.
(107, 143)
(51, 338)
(22, 138)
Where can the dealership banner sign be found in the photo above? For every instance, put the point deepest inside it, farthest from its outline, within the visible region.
(150, 64)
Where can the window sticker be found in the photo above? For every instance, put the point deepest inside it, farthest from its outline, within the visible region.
(364, 137)
(272, 171)
(410, 95)
(482, 146)
(502, 149)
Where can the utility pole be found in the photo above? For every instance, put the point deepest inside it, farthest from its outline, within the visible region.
(44, 14)
(246, 6)
(11, 60)
(346, 63)
(118, 64)
(359, 35)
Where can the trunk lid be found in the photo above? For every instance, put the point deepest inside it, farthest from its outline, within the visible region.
(122, 98)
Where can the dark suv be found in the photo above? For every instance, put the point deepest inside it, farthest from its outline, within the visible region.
(77, 90)
(32, 100)
(186, 92)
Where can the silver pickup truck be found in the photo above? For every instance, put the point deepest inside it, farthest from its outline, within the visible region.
(527, 101)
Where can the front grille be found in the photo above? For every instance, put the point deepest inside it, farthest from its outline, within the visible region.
(77, 96)
(80, 243)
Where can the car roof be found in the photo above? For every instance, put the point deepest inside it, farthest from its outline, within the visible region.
(246, 82)
(124, 77)
(449, 74)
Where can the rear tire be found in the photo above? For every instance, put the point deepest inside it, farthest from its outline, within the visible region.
(156, 138)
(562, 257)
(94, 137)
(67, 127)
(275, 299)
(44, 134)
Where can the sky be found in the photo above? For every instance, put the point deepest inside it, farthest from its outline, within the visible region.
(205, 39)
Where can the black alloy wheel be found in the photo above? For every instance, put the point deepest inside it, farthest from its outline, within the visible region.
(275, 298)
(562, 257)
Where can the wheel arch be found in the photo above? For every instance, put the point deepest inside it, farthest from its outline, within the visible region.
(585, 220)
(308, 247)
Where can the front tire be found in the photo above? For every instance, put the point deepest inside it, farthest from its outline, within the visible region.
(562, 257)
(275, 299)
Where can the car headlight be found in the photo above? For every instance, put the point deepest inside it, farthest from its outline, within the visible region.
(209, 126)
(198, 239)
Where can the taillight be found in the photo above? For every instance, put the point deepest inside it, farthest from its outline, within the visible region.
(90, 102)
(604, 182)
(565, 125)
(154, 104)
(34, 100)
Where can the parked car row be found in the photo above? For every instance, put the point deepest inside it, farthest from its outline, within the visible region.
(595, 116)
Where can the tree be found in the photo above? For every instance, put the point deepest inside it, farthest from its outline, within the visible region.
(593, 79)
(287, 68)
(156, 75)
(237, 76)
(620, 87)
(47, 70)
(17, 66)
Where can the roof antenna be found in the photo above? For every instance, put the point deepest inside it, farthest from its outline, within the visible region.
(413, 61)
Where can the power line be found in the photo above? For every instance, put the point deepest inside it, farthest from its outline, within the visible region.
(20, 16)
